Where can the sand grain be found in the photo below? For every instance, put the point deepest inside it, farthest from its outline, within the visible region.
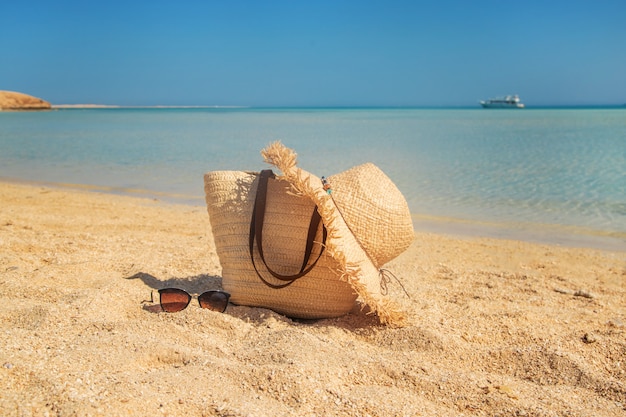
(497, 327)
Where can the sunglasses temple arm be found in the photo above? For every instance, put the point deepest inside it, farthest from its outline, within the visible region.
(151, 300)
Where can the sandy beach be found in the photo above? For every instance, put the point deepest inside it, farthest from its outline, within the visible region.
(496, 327)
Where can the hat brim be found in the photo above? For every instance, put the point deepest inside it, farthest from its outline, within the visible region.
(356, 267)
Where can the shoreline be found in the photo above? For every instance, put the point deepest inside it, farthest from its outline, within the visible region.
(547, 234)
(495, 327)
(550, 234)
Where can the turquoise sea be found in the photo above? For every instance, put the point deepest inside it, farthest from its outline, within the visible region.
(550, 175)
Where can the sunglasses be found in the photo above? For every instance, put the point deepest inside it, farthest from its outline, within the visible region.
(173, 300)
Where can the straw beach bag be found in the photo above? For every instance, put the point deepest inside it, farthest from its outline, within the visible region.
(306, 247)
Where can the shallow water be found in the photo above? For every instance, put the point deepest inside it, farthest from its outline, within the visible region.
(555, 175)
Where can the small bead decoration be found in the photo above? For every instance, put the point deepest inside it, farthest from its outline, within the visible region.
(326, 185)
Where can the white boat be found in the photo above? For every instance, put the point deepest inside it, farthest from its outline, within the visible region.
(506, 102)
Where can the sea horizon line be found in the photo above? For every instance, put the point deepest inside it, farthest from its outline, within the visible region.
(364, 107)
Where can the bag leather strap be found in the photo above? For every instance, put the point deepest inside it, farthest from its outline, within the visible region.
(256, 234)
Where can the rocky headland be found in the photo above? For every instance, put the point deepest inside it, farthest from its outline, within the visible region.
(11, 100)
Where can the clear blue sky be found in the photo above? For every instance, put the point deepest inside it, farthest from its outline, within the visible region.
(314, 52)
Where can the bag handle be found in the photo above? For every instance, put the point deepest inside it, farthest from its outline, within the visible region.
(256, 233)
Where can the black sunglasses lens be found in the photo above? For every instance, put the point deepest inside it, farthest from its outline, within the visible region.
(173, 300)
(214, 300)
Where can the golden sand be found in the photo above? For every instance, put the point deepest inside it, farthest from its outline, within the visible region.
(496, 327)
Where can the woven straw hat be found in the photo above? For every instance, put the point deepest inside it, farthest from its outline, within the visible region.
(367, 220)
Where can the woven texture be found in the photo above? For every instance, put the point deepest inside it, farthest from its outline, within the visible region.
(374, 210)
(230, 201)
(367, 220)
(358, 267)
